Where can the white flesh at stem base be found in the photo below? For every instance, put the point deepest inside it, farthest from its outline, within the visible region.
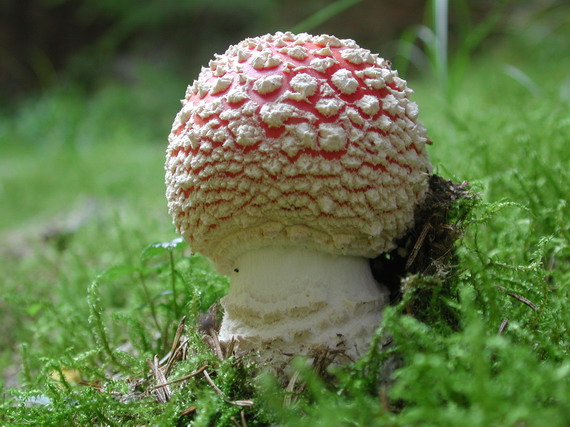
(290, 301)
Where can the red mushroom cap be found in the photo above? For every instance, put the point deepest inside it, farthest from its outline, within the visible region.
(297, 140)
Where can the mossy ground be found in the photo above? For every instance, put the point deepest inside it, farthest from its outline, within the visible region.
(88, 301)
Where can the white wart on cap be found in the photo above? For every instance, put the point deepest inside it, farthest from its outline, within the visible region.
(301, 142)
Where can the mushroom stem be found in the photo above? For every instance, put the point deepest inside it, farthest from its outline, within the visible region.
(288, 301)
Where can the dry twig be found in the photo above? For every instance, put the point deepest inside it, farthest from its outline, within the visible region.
(163, 393)
(212, 384)
(178, 380)
(216, 344)
(221, 393)
(188, 411)
(503, 326)
(519, 297)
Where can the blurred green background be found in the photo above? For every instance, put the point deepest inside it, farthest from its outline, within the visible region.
(47, 42)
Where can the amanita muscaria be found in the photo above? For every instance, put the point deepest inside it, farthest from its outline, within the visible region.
(294, 159)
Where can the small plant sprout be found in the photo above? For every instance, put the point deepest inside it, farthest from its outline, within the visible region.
(295, 159)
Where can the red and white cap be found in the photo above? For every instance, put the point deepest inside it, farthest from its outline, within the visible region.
(295, 140)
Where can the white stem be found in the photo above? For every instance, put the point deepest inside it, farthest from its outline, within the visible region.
(293, 301)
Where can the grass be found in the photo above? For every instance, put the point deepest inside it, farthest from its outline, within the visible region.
(89, 298)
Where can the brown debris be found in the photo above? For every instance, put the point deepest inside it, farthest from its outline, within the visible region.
(222, 350)
(212, 384)
(503, 326)
(429, 247)
(178, 350)
(519, 297)
(178, 380)
(210, 326)
(188, 411)
(162, 391)
(211, 320)
(323, 358)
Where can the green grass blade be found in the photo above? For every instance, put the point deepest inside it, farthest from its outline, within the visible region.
(324, 15)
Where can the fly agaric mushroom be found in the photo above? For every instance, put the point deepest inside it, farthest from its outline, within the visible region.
(294, 159)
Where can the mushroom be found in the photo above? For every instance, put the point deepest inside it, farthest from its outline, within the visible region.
(295, 159)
